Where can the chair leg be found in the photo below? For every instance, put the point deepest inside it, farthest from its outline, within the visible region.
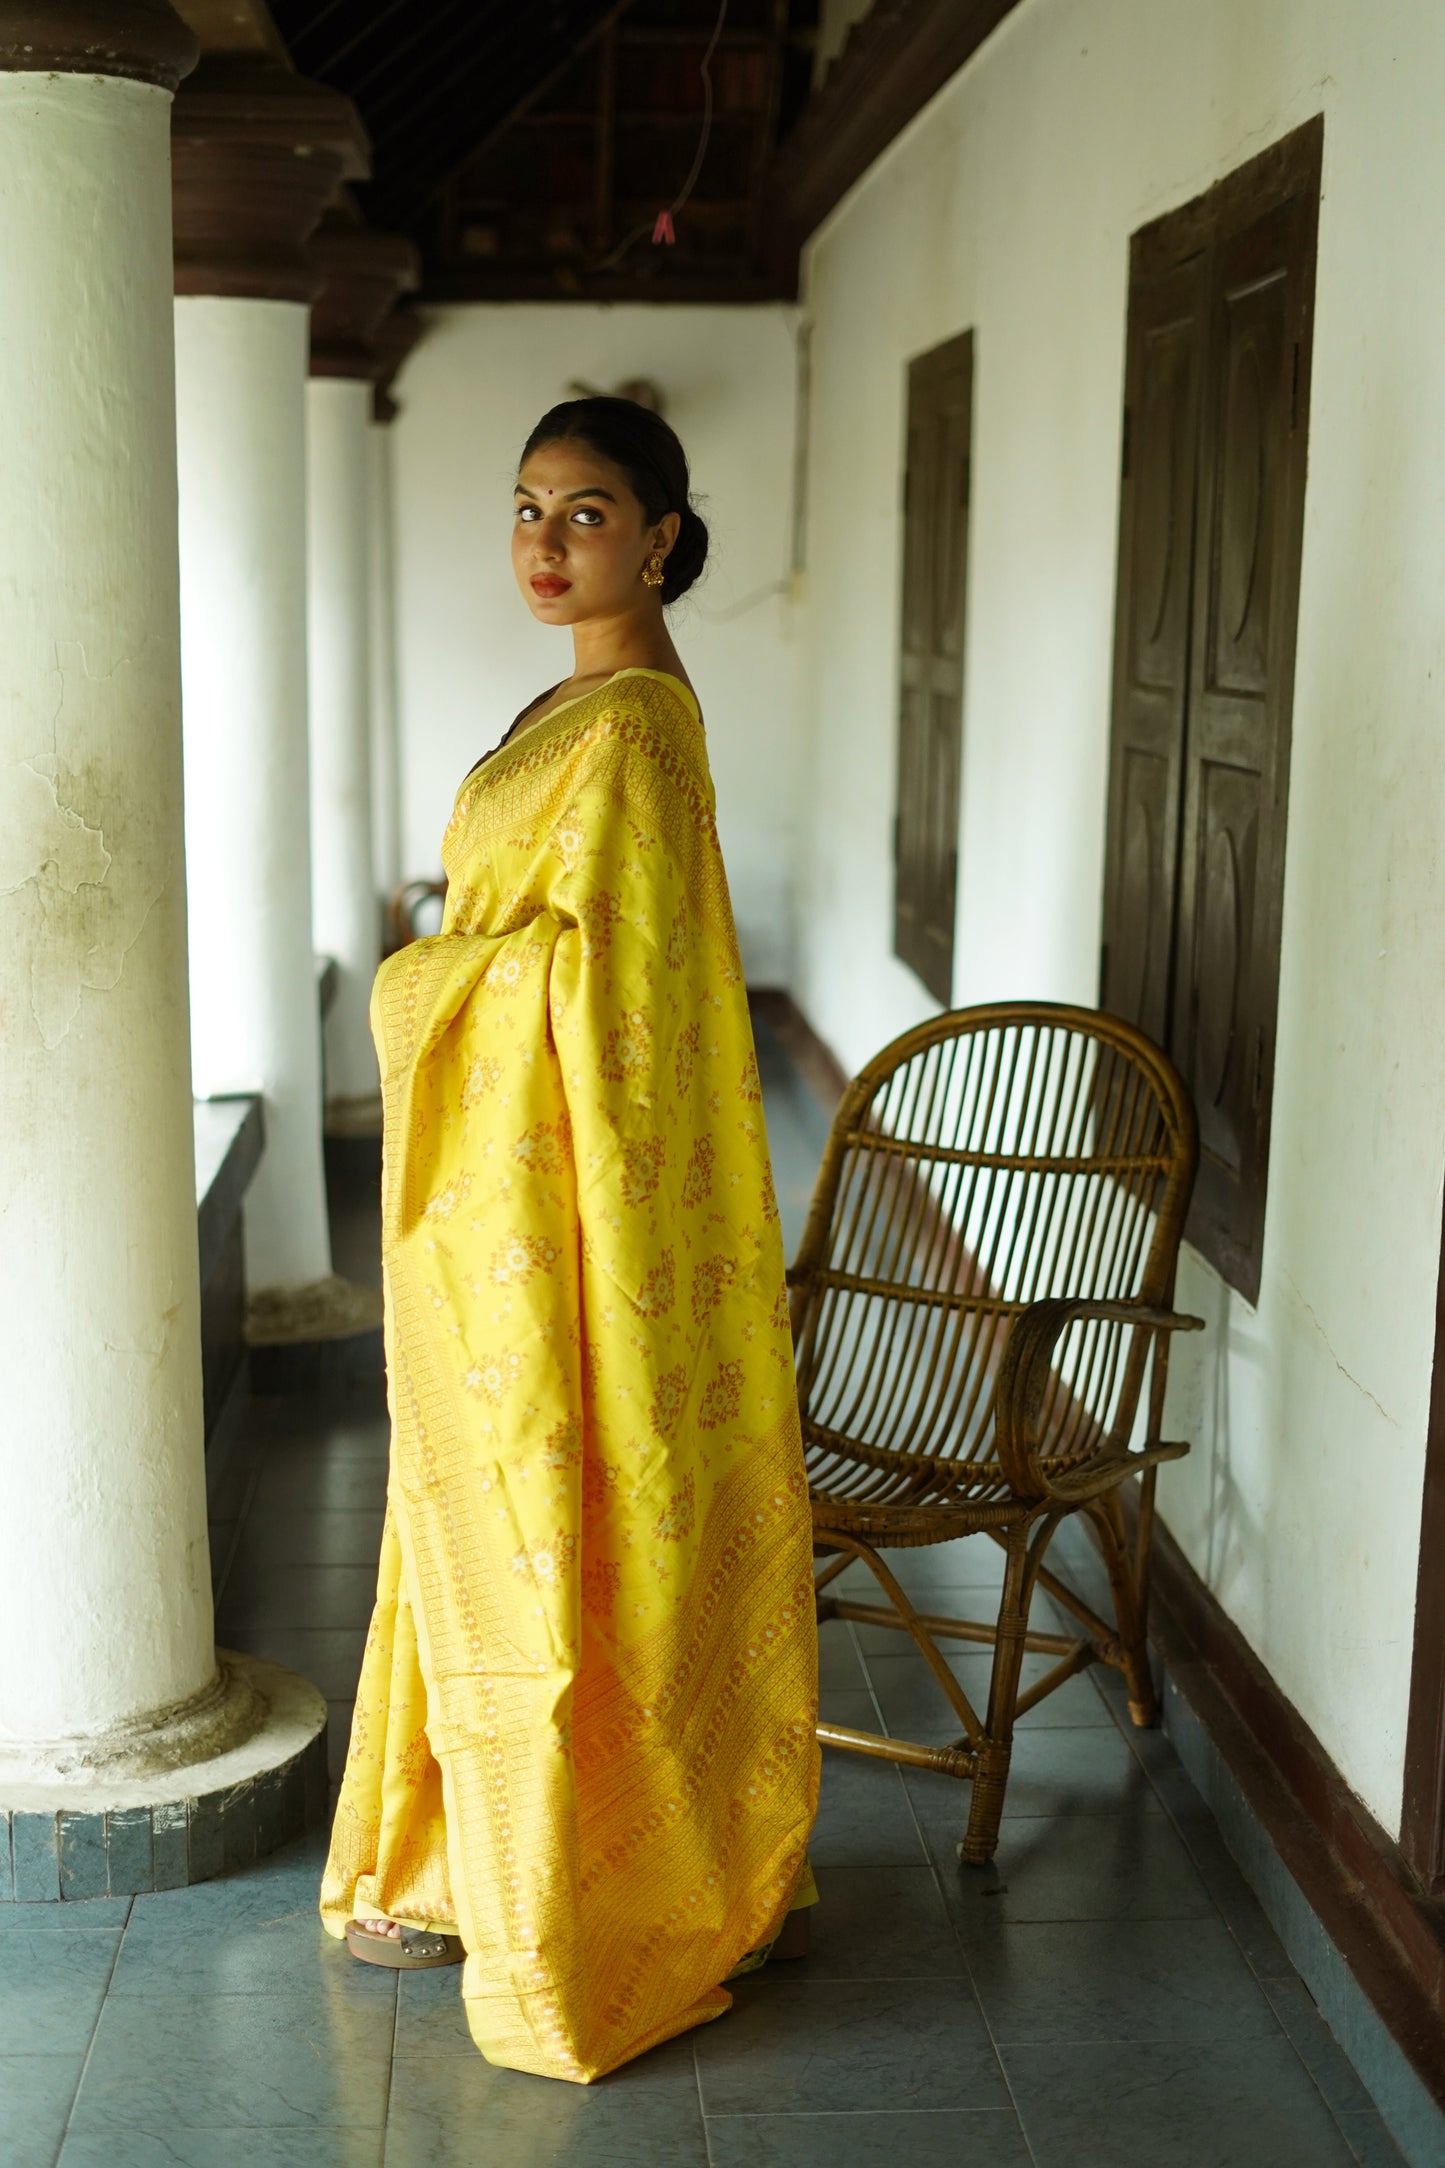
(1108, 1519)
(996, 1751)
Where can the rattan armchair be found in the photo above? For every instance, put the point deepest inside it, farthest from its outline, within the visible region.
(986, 1275)
(401, 913)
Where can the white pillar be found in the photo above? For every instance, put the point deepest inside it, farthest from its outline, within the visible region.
(241, 372)
(130, 1756)
(105, 1599)
(345, 916)
(385, 752)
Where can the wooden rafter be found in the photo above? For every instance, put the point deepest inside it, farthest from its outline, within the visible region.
(897, 57)
(518, 146)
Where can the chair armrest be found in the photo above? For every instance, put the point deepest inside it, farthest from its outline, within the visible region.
(1026, 1371)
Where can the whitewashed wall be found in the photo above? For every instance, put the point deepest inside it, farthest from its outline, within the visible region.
(470, 655)
(1008, 207)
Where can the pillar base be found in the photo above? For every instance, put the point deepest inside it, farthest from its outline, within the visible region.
(312, 1310)
(359, 1116)
(101, 1833)
(323, 1336)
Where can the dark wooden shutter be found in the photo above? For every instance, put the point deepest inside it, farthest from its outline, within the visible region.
(1211, 521)
(1246, 596)
(1168, 315)
(930, 707)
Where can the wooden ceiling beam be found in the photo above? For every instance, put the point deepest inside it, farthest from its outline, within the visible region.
(767, 119)
(897, 57)
(449, 155)
(234, 26)
(704, 286)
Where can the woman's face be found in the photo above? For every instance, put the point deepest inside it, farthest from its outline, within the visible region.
(579, 538)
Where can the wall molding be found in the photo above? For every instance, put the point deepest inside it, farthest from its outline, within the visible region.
(1354, 1877)
(1422, 1821)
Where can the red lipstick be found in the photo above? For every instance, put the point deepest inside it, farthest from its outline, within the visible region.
(548, 586)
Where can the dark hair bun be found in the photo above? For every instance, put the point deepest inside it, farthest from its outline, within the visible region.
(647, 451)
(685, 560)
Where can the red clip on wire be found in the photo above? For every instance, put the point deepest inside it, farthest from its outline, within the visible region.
(662, 231)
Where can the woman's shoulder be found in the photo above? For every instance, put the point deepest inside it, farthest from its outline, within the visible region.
(652, 709)
(652, 691)
(650, 720)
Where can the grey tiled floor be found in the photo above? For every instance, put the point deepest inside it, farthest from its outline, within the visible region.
(1106, 1995)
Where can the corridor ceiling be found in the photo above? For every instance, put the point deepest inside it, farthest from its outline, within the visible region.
(528, 146)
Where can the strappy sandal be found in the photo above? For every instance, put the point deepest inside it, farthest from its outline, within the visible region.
(790, 1941)
(415, 1949)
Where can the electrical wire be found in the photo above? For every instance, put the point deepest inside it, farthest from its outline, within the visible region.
(609, 263)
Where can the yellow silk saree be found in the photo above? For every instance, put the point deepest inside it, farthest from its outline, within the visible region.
(584, 1728)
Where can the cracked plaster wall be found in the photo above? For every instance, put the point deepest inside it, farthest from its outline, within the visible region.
(105, 1608)
(1008, 207)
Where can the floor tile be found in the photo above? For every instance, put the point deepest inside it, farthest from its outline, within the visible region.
(77, 1916)
(273, 1592)
(453, 2111)
(847, 2044)
(237, 2035)
(852, 1706)
(312, 1539)
(1234, 2104)
(1074, 1867)
(1109, 1980)
(1051, 1772)
(952, 1600)
(330, 1657)
(864, 1816)
(243, 1935)
(1317, 2047)
(51, 1988)
(924, 2138)
(350, 1420)
(968, 1562)
(913, 1702)
(337, 1484)
(1370, 2141)
(234, 2061)
(430, 2019)
(312, 2148)
(1230, 1894)
(1076, 1703)
(35, 2096)
(915, 1707)
(839, 1663)
(880, 1923)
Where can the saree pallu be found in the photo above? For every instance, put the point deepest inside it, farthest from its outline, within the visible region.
(584, 1728)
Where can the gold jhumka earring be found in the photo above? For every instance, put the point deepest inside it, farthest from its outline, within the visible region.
(652, 570)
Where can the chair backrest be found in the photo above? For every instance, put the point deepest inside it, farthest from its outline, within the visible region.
(414, 910)
(988, 1159)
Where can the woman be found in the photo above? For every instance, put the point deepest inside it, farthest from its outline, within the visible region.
(583, 1744)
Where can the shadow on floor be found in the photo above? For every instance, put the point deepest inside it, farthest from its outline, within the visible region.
(1107, 1994)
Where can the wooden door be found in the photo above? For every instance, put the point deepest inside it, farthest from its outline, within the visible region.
(1246, 592)
(930, 700)
(1211, 522)
(1168, 314)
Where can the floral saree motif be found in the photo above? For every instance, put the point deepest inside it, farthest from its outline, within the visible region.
(584, 1728)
